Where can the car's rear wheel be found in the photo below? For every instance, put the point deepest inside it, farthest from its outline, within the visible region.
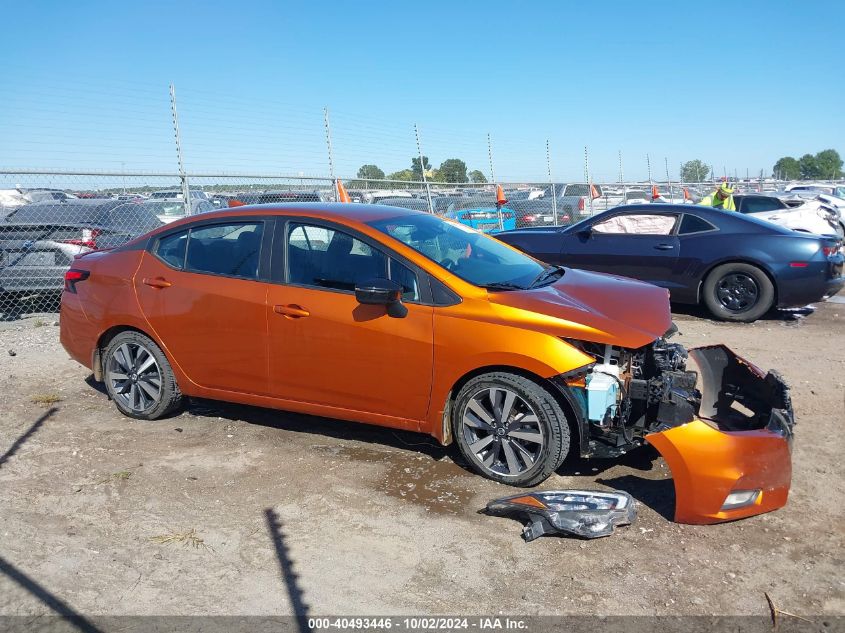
(738, 292)
(139, 378)
(510, 429)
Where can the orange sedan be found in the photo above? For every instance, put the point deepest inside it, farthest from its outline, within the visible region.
(403, 319)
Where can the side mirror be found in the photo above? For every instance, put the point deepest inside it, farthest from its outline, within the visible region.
(586, 232)
(382, 292)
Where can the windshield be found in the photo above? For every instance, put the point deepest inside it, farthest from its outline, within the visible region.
(472, 256)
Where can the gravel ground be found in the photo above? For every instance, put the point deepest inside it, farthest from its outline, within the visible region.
(235, 510)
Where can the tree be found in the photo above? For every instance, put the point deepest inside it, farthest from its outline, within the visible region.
(787, 168)
(453, 170)
(808, 166)
(404, 174)
(477, 176)
(694, 171)
(370, 172)
(415, 167)
(828, 164)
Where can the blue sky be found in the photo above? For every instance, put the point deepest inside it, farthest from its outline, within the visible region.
(735, 84)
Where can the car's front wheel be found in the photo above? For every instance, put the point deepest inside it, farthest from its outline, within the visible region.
(738, 292)
(510, 429)
(139, 378)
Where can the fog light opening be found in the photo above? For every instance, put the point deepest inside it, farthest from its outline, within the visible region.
(740, 499)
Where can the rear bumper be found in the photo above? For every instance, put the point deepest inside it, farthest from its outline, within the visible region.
(728, 451)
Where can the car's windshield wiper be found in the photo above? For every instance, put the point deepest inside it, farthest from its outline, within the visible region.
(502, 285)
(546, 274)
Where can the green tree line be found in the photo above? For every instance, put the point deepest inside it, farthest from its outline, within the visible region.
(452, 170)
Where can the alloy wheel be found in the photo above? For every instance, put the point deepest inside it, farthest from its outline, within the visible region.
(502, 431)
(134, 377)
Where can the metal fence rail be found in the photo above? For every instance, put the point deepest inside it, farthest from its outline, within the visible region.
(48, 217)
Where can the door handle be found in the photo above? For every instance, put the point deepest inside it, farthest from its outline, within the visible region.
(664, 247)
(157, 282)
(292, 311)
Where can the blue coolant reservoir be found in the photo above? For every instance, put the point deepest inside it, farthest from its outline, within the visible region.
(602, 392)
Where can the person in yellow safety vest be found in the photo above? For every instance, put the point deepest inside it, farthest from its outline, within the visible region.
(722, 198)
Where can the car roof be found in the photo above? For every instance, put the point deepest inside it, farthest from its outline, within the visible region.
(337, 211)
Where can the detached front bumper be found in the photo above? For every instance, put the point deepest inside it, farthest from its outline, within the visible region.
(734, 459)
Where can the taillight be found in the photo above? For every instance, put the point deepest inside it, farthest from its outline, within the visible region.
(74, 276)
(529, 218)
(830, 251)
(88, 239)
(580, 204)
(507, 216)
(798, 264)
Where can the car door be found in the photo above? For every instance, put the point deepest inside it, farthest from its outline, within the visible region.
(329, 350)
(203, 291)
(638, 244)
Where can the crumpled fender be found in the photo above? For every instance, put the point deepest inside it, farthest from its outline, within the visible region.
(726, 450)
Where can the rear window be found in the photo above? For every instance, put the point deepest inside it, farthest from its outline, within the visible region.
(694, 224)
(56, 214)
(580, 189)
(760, 204)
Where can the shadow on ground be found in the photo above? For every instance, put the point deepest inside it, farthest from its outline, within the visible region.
(32, 430)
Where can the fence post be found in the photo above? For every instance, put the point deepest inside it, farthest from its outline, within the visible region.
(587, 179)
(668, 179)
(493, 180)
(186, 190)
(551, 182)
(422, 169)
(622, 180)
(329, 145)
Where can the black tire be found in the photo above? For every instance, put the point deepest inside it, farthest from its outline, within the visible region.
(139, 386)
(531, 400)
(738, 292)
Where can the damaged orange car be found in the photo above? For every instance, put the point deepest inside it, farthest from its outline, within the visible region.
(403, 319)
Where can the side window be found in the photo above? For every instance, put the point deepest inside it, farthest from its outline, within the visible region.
(694, 224)
(759, 204)
(171, 249)
(403, 275)
(637, 224)
(326, 258)
(225, 249)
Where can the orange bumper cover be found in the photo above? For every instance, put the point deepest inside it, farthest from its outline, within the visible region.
(734, 465)
(708, 464)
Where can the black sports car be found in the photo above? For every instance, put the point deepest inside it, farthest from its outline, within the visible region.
(738, 266)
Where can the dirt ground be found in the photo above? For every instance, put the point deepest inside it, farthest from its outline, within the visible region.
(236, 510)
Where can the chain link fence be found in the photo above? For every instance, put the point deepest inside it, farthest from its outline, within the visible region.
(47, 218)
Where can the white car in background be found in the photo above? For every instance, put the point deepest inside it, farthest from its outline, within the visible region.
(812, 216)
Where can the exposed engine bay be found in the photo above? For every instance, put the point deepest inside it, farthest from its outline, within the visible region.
(628, 394)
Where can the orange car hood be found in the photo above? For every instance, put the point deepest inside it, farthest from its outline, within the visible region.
(594, 307)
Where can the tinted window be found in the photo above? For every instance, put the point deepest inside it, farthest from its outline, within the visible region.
(323, 257)
(403, 275)
(759, 204)
(226, 249)
(134, 219)
(694, 224)
(171, 249)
